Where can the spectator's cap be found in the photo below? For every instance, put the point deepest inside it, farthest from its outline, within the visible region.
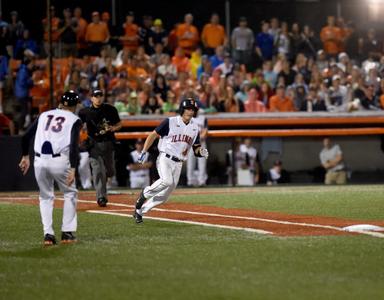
(343, 55)
(158, 22)
(14, 13)
(242, 19)
(277, 162)
(95, 14)
(336, 77)
(130, 13)
(320, 52)
(97, 93)
(133, 95)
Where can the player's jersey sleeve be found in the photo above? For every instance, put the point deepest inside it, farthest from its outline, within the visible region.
(74, 144)
(163, 128)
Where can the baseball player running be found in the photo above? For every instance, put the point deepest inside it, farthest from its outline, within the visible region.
(56, 154)
(177, 136)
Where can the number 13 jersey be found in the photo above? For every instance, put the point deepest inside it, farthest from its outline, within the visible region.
(54, 129)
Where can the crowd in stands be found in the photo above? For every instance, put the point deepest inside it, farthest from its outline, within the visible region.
(144, 68)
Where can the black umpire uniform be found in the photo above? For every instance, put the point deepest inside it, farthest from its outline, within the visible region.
(102, 121)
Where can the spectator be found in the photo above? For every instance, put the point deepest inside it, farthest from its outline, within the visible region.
(370, 101)
(96, 35)
(170, 106)
(372, 46)
(280, 102)
(213, 35)
(338, 95)
(242, 41)
(313, 101)
(158, 35)
(167, 68)
(145, 33)
(15, 31)
(308, 43)
(253, 103)
(3, 74)
(331, 37)
(269, 75)
(180, 61)
(264, 43)
(227, 66)
(282, 40)
(81, 31)
(238, 165)
(25, 43)
(295, 40)
(130, 39)
(331, 158)
(55, 26)
(68, 34)
(187, 35)
(287, 73)
(276, 174)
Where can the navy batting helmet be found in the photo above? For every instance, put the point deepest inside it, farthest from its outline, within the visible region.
(70, 98)
(188, 103)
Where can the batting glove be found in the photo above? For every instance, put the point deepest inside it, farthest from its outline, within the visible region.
(143, 157)
(204, 153)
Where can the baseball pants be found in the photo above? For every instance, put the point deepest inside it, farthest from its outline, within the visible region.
(160, 190)
(47, 170)
(199, 176)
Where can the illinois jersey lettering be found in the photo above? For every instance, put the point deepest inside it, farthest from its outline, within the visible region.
(177, 137)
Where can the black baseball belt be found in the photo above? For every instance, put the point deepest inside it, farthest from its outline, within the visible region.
(174, 158)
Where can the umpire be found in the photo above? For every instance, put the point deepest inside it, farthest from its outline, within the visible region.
(102, 121)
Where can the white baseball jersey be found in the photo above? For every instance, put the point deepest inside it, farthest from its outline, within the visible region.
(177, 137)
(53, 134)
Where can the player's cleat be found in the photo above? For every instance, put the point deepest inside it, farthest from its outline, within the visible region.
(49, 240)
(68, 238)
(141, 200)
(102, 201)
(138, 217)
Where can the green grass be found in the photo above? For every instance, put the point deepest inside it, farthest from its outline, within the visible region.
(117, 259)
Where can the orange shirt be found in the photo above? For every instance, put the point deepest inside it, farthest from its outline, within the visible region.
(382, 101)
(213, 35)
(181, 63)
(97, 32)
(188, 36)
(331, 38)
(283, 105)
(131, 31)
(55, 23)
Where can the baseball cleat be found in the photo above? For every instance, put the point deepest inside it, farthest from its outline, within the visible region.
(102, 201)
(141, 200)
(49, 240)
(68, 238)
(138, 217)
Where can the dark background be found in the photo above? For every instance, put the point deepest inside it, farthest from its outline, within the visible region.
(311, 12)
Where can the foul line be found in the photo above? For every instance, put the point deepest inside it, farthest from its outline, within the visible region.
(371, 233)
(108, 212)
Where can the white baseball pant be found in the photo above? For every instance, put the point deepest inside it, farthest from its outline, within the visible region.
(160, 190)
(47, 170)
(199, 177)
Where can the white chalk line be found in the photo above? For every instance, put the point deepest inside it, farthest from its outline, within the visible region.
(108, 212)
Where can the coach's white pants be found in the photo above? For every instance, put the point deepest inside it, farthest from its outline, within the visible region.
(159, 191)
(198, 177)
(47, 170)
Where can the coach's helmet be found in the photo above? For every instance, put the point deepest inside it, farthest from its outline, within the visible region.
(70, 98)
(188, 103)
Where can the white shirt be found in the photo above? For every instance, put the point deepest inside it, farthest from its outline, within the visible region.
(54, 127)
(177, 137)
(134, 174)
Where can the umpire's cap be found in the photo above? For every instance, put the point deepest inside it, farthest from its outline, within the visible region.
(188, 103)
(70, 98)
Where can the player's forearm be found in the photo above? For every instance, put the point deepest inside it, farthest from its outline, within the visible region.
(149, 141)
